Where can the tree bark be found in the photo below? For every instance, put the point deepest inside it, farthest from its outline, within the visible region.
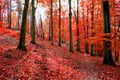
(52, 31)
(107, 44)
(59, 23)
(78, 31)
(33, 24)
(70, 26)
(87, 45)
(92, 26)
(21, 45)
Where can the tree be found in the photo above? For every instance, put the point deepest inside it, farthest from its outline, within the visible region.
(51, 19)
(92, 26)
(107, 44)
(41, 27)
(86, 44)
(59, 23)
(33, 23)
(19, 13)
(10, 15)
(70, 27)
(21, 44)
(78, 32)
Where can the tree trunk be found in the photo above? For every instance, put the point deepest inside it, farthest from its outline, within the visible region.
(78, 32)
(21, 45)
(92, 26)
(33, 24)
(19, 13)
(70, 26)
(10, 20)
(59, 23)
(52, 31)
(107, 44)
(87, 45)
(8, 14)
(41, 25)
(49, 37)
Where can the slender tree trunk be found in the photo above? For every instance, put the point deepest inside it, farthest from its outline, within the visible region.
(87, 45)
(78, 31)
(52, 31)
(70, 26)
(49, 37)
(19, 13)
(33, 41)
(107, 44)
(8, 13)
(59, 23)
(10, 16)
(41, 25)
(21, 45)
(115, 33)
(92, 26)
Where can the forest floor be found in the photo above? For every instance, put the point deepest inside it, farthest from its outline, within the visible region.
(42, 61)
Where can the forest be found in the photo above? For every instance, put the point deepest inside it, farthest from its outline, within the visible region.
(59, 39)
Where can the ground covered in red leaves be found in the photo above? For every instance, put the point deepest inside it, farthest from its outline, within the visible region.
(45, 62)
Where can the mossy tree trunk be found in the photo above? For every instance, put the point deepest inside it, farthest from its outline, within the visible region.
(107, 44)
(21, 45)
(33, 34)
(70, 26)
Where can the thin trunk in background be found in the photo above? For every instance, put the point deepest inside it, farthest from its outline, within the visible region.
(19, 13)
(41, 25)
(10, 16)
(49, 37)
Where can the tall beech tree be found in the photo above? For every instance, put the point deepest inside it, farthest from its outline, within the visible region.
(107, 44)
(21, 44)
(51, 19)
(59, 23)
(92, 26)
(70, 27)
(33, 23)
(78, 31)
(86, 44)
